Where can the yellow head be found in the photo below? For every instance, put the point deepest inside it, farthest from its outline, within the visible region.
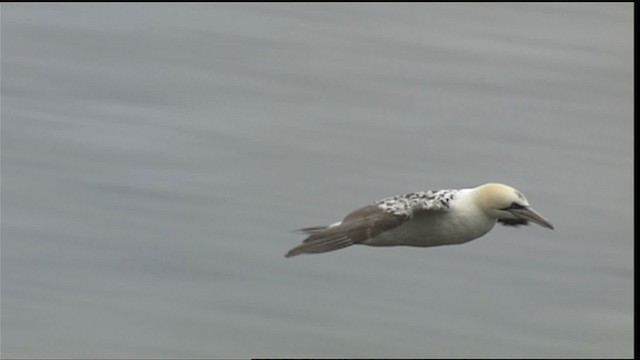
(503, 202)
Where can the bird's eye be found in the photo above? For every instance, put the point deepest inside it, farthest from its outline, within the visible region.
(514, 206)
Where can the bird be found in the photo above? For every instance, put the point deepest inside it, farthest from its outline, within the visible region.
(424, 219)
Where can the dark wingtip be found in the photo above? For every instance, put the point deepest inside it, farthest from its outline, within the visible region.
(290, 254)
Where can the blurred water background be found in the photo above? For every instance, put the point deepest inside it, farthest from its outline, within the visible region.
(155, 158)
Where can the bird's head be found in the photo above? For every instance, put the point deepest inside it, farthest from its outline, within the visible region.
(508, 205)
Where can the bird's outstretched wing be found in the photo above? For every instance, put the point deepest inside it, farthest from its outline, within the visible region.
(360, 225)
(371, 221)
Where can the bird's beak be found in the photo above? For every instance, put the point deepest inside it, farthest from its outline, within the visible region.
(531, 215)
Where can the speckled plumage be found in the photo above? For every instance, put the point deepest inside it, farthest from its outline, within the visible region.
(420, 200)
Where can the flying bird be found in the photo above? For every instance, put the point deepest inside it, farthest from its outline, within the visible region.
(424, 218)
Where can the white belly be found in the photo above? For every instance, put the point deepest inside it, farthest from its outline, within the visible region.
(433, 229)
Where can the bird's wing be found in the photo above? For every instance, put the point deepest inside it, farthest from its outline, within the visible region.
(360, 225)
(370, 221)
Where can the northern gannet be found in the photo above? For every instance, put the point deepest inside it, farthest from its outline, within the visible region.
(424, 218)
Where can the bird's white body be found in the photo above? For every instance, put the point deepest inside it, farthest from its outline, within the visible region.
(462, 223)
(425, 218)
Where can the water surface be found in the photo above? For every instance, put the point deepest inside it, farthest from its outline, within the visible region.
(156, 156)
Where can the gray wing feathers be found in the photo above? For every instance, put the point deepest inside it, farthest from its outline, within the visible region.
(320, 245)
(362, 224)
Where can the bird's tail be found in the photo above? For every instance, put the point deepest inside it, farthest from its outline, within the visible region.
(311, 230)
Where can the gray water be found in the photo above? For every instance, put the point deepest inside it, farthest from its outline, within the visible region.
(155, 158)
